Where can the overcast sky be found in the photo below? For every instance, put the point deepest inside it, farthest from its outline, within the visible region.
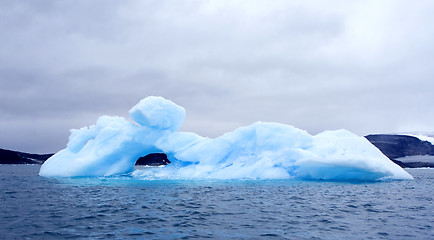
(365, 66)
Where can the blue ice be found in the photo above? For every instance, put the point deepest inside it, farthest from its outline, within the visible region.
(262, 150)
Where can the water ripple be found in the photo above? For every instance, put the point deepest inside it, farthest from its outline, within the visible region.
(80, 209)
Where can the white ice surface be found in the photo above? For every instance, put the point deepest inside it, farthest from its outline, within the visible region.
(257, 151)
(423, 137)
(417, 158)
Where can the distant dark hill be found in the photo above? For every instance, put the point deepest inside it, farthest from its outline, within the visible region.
(406, 151)
(14, 157)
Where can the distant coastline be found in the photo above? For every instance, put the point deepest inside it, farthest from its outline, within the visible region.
(405, 150)
(15, 157)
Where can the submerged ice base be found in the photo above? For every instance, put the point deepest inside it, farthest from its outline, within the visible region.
(257, 151)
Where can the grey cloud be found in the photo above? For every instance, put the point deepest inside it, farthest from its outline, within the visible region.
(363, 65)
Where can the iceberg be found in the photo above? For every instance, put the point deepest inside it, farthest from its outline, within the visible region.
(262, 150)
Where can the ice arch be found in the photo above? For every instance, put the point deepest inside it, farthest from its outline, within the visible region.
(113, 145)
(258, 151)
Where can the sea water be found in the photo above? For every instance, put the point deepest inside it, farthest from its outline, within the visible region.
(34, 207)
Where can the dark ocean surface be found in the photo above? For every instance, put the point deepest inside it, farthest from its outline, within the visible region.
(34, 207)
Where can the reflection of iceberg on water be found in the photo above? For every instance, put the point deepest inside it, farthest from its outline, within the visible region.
(258, 151)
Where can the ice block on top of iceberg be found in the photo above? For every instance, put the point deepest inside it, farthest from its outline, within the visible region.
(158, 113)
(257, 151)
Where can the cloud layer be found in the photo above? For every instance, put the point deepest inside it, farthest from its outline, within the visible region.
(365, 66)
